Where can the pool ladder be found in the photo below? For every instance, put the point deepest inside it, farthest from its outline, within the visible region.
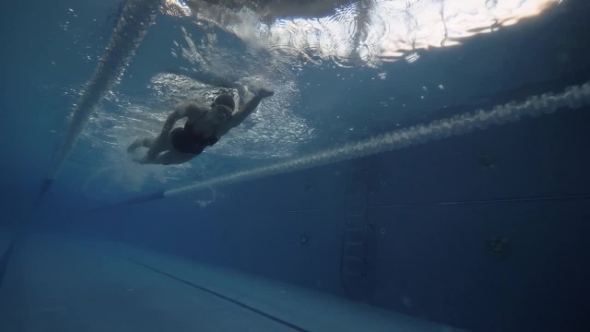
(357, 245)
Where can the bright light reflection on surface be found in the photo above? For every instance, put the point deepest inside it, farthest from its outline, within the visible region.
(365, 33)
(370, 30)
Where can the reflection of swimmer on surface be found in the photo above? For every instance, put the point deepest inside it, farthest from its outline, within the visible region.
(204, 127)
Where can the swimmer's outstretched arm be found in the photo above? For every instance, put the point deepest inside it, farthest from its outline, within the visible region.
(241, 114)
(213, 80)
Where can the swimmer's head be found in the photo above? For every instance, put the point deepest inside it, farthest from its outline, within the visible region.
(225, 100)
(222, 108)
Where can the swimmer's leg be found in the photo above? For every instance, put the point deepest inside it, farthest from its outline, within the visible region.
(155, 146)
(172, 157)
(142, 142)
(151, 144)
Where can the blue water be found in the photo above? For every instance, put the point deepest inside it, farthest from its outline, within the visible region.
(479, 231)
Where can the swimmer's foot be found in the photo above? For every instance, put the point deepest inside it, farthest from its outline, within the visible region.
(133, 147)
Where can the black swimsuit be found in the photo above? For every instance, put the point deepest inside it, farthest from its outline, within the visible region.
(185, 140)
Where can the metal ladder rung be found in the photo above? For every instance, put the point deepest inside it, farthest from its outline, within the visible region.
(355, 215)
(355, 243)
(354, 258)
(355, 230)
(358, 274)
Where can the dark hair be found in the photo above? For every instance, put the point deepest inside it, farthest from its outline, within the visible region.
(226, 100)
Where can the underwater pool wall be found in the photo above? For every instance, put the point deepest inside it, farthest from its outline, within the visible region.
(431, 210)
(485, 231)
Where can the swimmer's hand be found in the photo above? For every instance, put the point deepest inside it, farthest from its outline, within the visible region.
(264, 93)
(261, 91)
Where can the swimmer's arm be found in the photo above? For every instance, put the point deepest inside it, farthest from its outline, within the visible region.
(240, 115)
(190, 111)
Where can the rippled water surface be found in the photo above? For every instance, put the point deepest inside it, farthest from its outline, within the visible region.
(342, 71)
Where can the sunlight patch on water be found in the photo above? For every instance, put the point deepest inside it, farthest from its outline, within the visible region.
(177, 8)
(367, 31)
(277, 49)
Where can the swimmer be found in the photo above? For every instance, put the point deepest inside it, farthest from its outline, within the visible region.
(203, 128)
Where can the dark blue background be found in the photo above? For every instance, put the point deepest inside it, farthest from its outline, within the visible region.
(430, 253)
